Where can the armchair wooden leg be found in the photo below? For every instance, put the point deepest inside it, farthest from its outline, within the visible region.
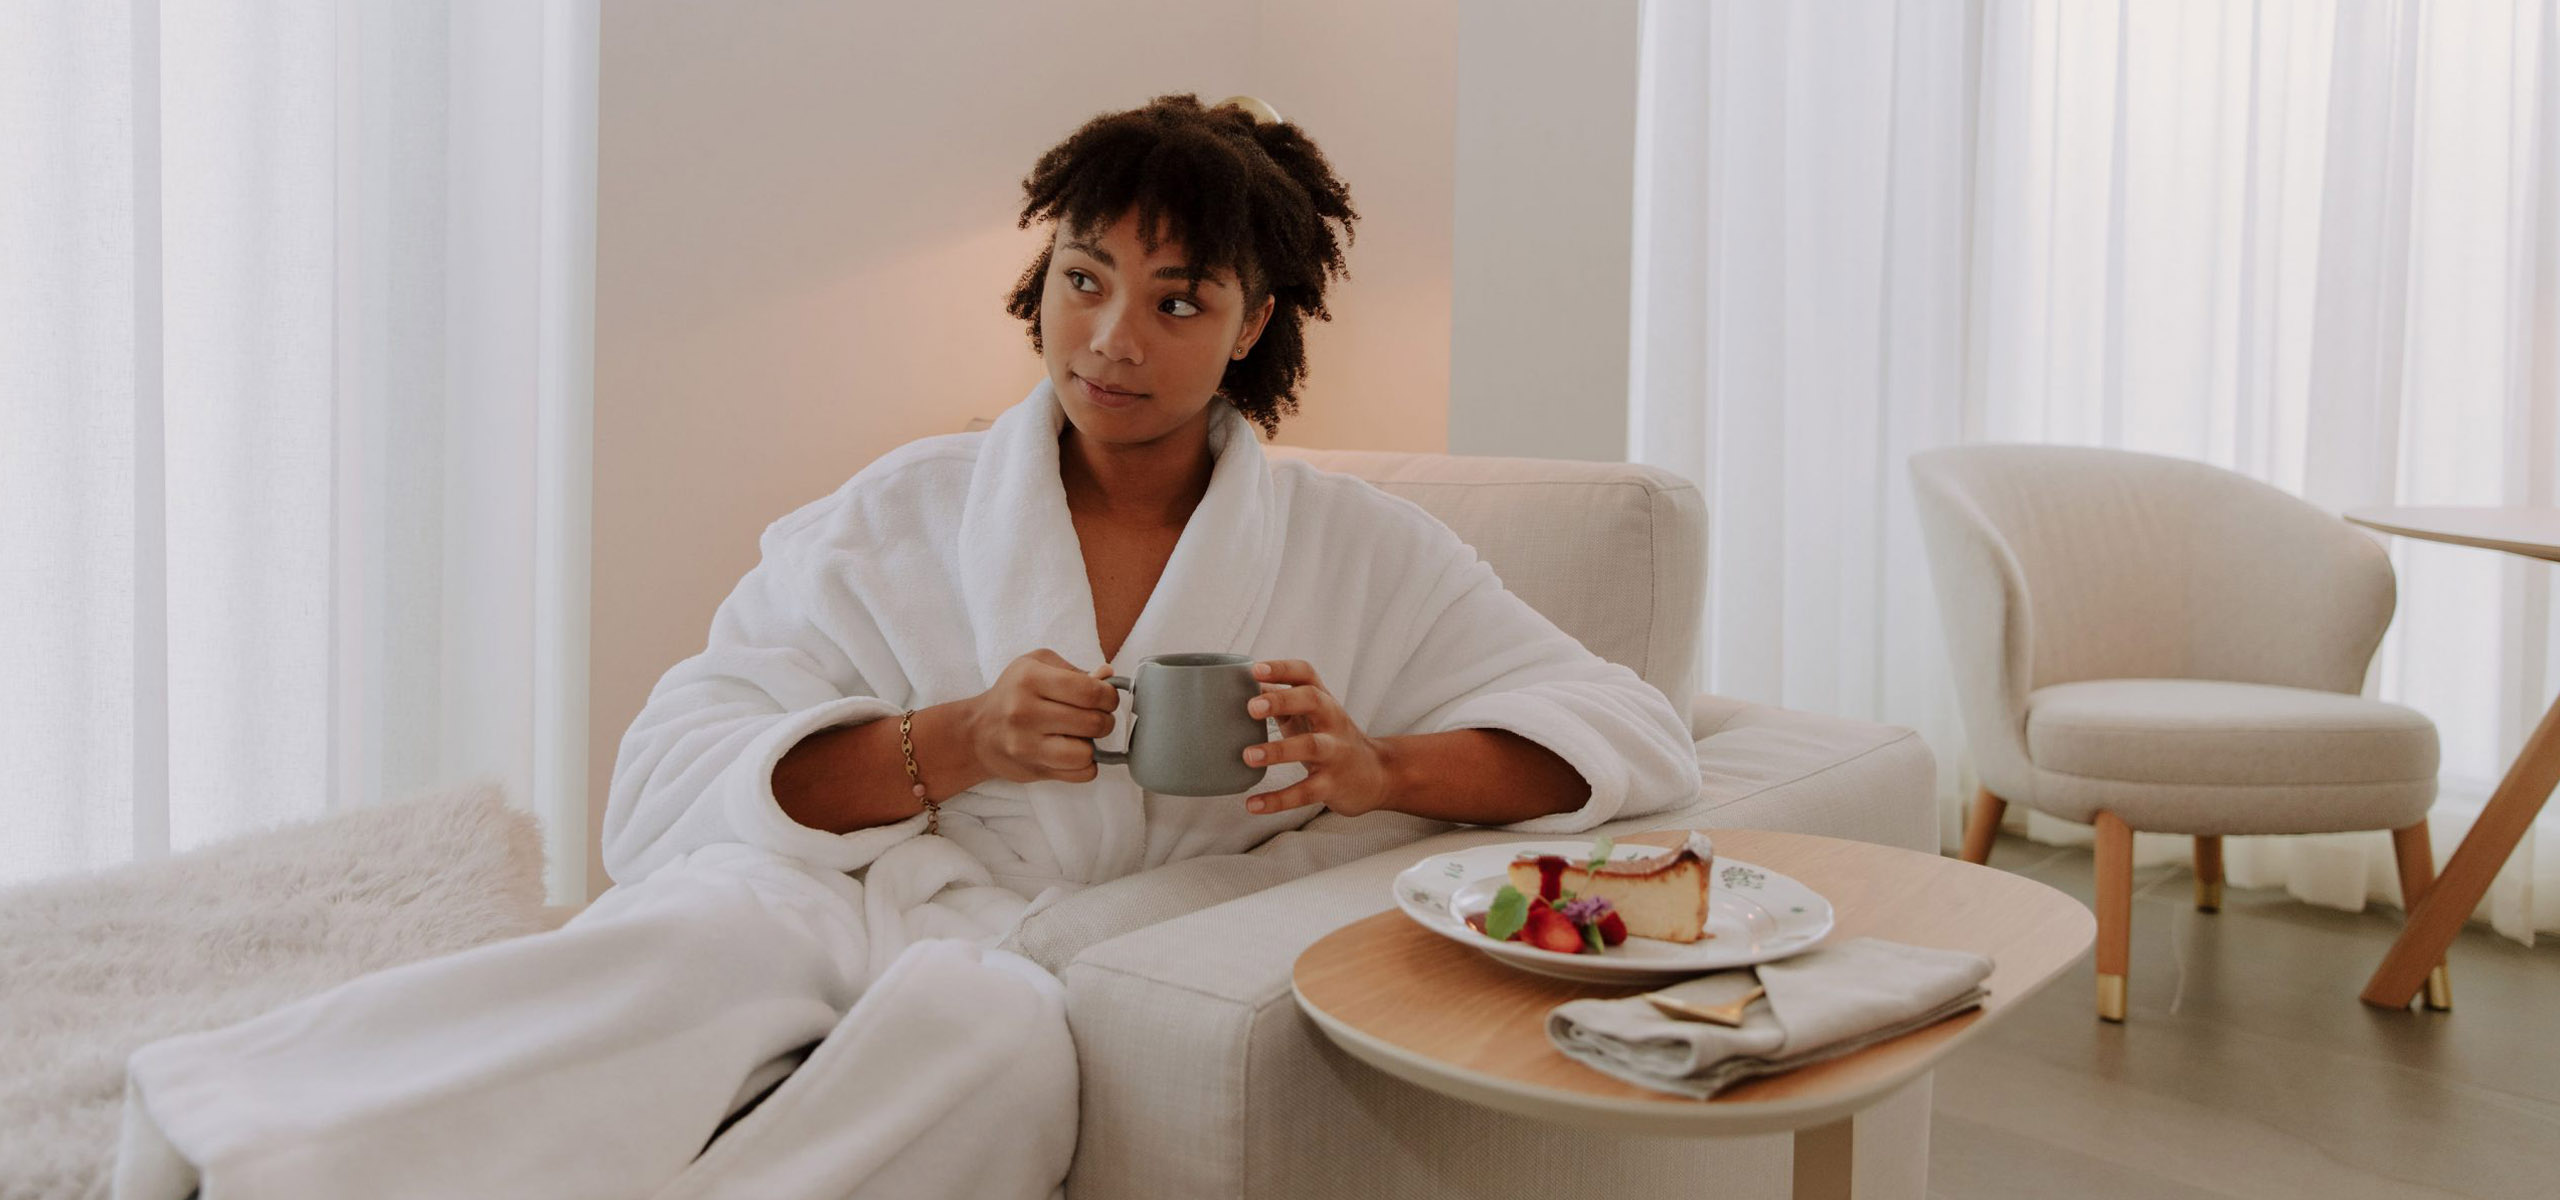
(1984, 826)
(2208, 872)
(2115, 913)
(2418, 873)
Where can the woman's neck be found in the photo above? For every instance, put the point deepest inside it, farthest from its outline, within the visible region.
(1147, 485)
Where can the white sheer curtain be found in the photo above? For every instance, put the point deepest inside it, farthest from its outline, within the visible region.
(294, 371)
(2309, 240)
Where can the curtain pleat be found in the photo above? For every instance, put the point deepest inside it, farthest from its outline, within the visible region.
(150, 654)
(67, 451)
(279, 290)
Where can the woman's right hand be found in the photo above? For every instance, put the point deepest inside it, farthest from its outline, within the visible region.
(1038, 720)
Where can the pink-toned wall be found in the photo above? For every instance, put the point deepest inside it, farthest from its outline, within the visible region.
(805, 234)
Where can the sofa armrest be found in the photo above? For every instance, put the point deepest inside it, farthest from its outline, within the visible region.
(1761, 767)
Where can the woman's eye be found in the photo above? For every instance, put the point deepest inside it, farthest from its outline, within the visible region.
(1078, 279)
(1188, 308)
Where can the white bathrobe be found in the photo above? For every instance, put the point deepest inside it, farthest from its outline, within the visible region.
(916, 583)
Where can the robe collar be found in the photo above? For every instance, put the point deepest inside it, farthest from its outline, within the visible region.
(1023, 588)
(1023, 577)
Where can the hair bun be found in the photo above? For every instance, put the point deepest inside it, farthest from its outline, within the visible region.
(1263, 114)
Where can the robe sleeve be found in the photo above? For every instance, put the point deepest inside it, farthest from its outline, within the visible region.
(696, 767)
(1483, 659)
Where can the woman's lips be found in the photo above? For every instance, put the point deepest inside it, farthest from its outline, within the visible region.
(1106, 397)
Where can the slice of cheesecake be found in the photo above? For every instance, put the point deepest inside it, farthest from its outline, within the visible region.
(1663, 897)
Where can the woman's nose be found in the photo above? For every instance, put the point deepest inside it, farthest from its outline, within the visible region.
(1113, 335)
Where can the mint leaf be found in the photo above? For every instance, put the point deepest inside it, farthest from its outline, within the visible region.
(1592, 942)
(1510, 911)
(1600, 850)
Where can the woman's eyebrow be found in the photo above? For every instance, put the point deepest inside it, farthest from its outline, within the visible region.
(1103, 256)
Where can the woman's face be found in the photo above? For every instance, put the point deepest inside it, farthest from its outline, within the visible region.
(1134, 347)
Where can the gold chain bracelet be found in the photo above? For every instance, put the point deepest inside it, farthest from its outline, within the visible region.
(915, 779)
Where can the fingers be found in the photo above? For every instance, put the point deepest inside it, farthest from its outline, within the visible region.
(1296, 795)
(1051, 756)
(1030, 728)
(1067, 758)
(1074, 720)
(1286, 670)
(1311, 701)
(1302, 748)
(1079, 688)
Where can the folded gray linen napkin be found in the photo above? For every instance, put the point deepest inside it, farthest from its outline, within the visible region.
(1820, 1005)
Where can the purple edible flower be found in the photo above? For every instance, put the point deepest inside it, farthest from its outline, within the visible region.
(1583, 910)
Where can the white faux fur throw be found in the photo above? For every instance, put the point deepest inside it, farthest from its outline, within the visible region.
(95, 966)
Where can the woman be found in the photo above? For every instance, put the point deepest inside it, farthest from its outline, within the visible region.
(879, 767)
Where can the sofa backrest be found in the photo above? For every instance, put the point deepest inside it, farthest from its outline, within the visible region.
(1613, 553)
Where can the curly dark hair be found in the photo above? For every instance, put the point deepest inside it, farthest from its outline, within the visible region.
(1235, 194)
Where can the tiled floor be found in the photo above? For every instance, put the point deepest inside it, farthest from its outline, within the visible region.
(2249, 1068)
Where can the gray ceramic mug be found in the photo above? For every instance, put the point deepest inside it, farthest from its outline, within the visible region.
(1188, 729)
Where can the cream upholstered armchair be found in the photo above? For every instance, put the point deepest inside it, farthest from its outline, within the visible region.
(2148, 643)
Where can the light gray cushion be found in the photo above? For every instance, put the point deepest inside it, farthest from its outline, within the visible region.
(2206, 731)
(2204, 756)
(1613, 553)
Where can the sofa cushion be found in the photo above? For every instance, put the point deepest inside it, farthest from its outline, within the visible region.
(1613, 553)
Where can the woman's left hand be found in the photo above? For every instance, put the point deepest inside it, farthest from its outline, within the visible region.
(1346, 769)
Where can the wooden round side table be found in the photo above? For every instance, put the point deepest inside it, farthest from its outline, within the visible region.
(1435, 1013)
(2417, 956)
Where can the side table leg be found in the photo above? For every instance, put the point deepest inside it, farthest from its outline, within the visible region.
(1826, 1156)
(2434, 921)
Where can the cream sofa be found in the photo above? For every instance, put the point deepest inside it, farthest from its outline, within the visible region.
(1200, 1076)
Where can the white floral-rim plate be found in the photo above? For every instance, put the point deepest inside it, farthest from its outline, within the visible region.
(1757, 915)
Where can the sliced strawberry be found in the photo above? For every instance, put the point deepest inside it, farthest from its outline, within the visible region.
(1548, 930)
(1475, 921)
(1613, 928)
(1550, 876)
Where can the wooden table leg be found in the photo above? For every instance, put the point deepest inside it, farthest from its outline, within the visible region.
(1826, 1160)
(2435, 920)
(1984, 827)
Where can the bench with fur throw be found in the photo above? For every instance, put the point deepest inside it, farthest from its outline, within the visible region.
(94, 966)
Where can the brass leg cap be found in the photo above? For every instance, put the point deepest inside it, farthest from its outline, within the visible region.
(2208, 895)
(2439, 990)
(2111, 998)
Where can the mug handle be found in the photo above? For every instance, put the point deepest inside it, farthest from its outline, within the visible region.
(1115, 758)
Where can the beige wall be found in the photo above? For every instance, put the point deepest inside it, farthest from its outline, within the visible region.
(804, 238)
(1376, 85)
(1544, 226)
